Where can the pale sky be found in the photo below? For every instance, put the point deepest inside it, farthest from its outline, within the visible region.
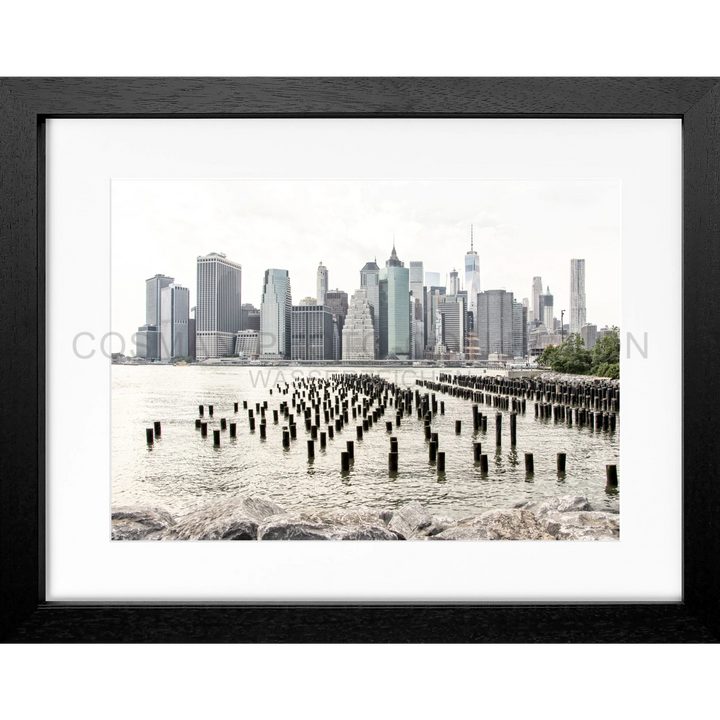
(521, 229)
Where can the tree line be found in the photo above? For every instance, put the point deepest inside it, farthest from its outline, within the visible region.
(573, 357)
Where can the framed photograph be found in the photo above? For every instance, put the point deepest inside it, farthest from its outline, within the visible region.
(392, 311)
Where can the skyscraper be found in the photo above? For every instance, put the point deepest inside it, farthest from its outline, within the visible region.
(370, 282)
(546, 310)
(454, 284)
(250, 317)
(417, 279)
(322, 283)
(578, 310)
(472, 276)
(312, 333)
(394, 309)
(518, 329)
(153, 286)
(495, 323)
(276, 314)
(432, 279)
(536, 293)
(359, 331)
(433, 295)
(337, 301)
(175, 316)
(219, 315)
(452, 318)
(417, 324)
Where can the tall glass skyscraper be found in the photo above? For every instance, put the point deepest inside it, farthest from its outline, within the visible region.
(394, 309)
(153, 286)
(276, 314)
(578, 311)
(175, 314)
(472, 277)
(219, 314)
(322, 284)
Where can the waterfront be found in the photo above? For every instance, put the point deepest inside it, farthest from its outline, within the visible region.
(183, 471)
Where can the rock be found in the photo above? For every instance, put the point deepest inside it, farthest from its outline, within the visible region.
(142, 523)
(300, 526)
(439, 524)
(236, 519)
(496, 525)
(349, 516)
(581, 525)
(410, 519)
(566, 503)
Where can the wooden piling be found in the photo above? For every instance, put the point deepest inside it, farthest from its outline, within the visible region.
(359, 430)
(484, 464)
(197, 422)
(311, 449)
(323, 440)
(235, 407)
(561, 459)
(392, 461)
(149, 436)
(477, 451)
(458, 427)
(263, 431)
(351, 449)
(201, 410)
(210, 410)
(216, 438)
(611, 475)
(223, 424)
(513, 429)
(498, 429)
(344, 462)
(233, 430)
(529, 464)
(203, 429)
(433, 451)
(441, 462)
(286, 437)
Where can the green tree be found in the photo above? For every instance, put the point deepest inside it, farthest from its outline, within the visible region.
(606, 355)
(570, 357)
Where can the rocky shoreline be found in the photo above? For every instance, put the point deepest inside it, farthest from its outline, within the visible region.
(570, 517)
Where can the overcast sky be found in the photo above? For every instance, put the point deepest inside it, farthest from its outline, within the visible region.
(521, 228)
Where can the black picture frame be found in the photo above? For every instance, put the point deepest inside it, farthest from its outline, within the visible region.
(26, 103)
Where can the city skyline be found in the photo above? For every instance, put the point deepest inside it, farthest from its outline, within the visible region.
(572, 219)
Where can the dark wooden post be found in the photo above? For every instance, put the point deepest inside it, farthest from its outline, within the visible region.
(529, 464)
(149, 436)
(561, 458)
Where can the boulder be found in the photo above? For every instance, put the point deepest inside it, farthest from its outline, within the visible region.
(581, 525)
(301, 526)
(141, 523)
(565, 503)
(349, 516)
(236, 519)
(410, 519)
(496, 525)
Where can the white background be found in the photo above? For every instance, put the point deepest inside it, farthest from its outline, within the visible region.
(83, 156)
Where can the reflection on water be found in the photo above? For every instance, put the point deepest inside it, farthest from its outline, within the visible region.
(183, 470)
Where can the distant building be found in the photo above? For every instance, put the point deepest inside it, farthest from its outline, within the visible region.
(250, 317)
(308, 301)
(175, 313)
(218, 315)
(147, 342)
(454, 283)
(546, 310)
(153, 286)
(451, 310)
(322, 284)
(578, 310)
(359, 329)
(192, 346)
(432, 298)
(276, 314)
(432, 279)
(394, 309)
(370, 282)
(588, 333)
(518, 328)
(536, 293)
(495, 323)
(472, 277)
(247, 343)
(337, 301)
(312, 333)
(417, 324)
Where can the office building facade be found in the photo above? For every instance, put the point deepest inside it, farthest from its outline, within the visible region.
(311, 333)
(495, 323)
(472, 277)
(370, 283)
(588, 333)
(175, 314)
(322, 284)
(147, 342)
(451, 310)
(536, 293)
(276, 314)
(218, 317)
(394, 309)
(359, 330)
(337, 301)
(153, 288)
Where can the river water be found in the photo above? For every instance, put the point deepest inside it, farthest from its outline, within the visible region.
(183, 471)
